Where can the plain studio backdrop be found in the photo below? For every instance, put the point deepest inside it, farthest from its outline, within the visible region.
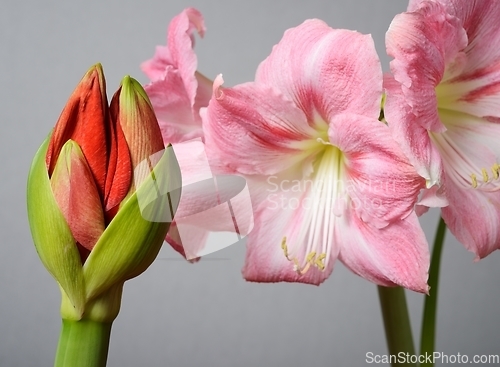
(179, 314)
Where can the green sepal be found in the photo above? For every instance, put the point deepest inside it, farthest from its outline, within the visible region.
(133, 239)
(53, 240)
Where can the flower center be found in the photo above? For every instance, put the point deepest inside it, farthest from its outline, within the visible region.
(310, 244)
(467, 147)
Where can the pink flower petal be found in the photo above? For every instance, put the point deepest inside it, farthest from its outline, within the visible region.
(179, 50)
(381, 183)
(312, 117)
(474, 86)
(325, 71)
(395, 255)
(473, 216)
(196, 239)
(434, 197)
(181, 42)
(423, 43)
(469, 148)
(173, 108)
(446, 52)
(177, 90)
(155, 68)
(280, 217)
(208, 203)
(255, 129)
(480, 19)
(413, 138)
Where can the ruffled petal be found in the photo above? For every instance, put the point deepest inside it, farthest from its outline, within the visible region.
(471, 84)
(395, 255)
(425, 44)
(179, 50)
(181, 42)
(178, 91)
(155, 68)
(381, 183)
(473, 217)
(172, 106)
(325, 71)
(413, 138)
(479, 18)
(254, 129)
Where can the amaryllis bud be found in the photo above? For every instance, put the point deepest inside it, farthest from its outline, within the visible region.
(83, 195)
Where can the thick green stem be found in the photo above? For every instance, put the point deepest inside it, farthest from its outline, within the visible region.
(84, 339)
(430, 304)
(397, 325)
(83, 343)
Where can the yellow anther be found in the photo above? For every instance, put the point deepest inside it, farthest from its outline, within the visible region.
(495, 169)
(485, 175)
(319, 262)
(474, 180)
(284, 247)
(310, 257)
(311, 260)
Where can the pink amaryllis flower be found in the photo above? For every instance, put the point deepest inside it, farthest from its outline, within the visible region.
(177, 90)
(443, 105)
(336, 184)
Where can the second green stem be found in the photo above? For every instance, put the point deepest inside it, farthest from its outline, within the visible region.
(428, 334)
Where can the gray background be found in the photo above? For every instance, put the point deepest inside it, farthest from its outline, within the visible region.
(179, 314)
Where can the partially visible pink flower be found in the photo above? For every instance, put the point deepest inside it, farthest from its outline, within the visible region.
(443, 106)
(177, 90)
(336, 184)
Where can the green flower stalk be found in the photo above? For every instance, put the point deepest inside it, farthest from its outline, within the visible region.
(102, 190)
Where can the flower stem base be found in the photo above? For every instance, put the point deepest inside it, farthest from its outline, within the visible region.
(83, 343)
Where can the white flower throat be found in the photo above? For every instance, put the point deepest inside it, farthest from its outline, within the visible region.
(465, 135)
(310, 244)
